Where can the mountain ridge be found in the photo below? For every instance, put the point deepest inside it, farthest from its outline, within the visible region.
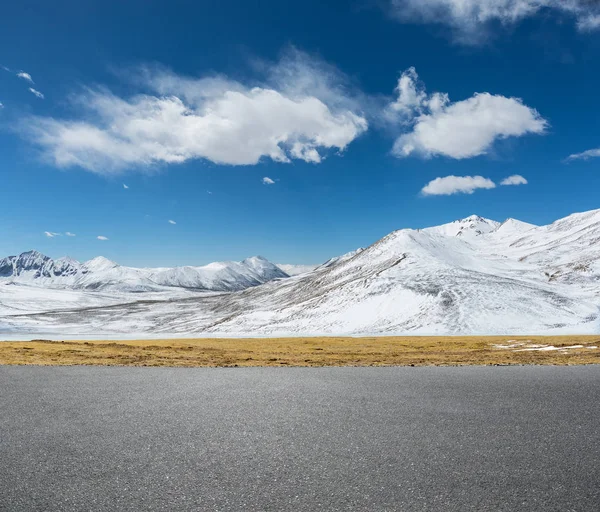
(35, 268)
(471, 276)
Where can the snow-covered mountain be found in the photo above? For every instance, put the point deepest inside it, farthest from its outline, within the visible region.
(221, 276)
(33, 263)
(34, 269)
(468, 228)
(472, 276)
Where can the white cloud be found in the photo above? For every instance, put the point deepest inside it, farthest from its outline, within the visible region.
(463, 129)
(411, 94)
(470, 19)
(36, 93)
(586, 155)
(456, 185)
(25, 76)
(101, 237)
(51, 234)
(298, 114)
(125, 186)
(268, 181)
(1, 105)
(515, 179)
(588, 23)
(172, 222)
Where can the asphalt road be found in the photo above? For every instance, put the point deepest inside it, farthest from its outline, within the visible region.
(447, 439)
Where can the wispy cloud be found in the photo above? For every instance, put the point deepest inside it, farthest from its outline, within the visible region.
(172, 222)
(25, 76)
(585, 155)
(37, 93)
(450, 185)
(268, 181)
(1, 105)
(471, 20)
(432, 125)
(102, 238)
(125, 186)
(298, 112)
(52, 234)
(515, 179)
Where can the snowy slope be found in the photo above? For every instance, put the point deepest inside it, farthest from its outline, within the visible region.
(566, 251)
(472, 276)
(295, 270)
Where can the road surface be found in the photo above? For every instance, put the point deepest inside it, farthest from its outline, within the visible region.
(258, 439)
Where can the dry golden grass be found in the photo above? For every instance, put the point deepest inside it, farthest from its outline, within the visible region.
(327, 351)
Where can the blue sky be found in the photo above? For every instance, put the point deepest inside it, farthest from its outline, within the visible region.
(192, 104)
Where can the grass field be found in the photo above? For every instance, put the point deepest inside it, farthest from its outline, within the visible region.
(326, 351)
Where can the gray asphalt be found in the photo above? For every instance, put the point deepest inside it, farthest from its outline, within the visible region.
(376, 439)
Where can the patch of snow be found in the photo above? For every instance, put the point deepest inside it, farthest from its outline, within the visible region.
(547, 348)
(295, 270)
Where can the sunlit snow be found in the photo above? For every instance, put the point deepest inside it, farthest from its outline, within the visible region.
(472, 276)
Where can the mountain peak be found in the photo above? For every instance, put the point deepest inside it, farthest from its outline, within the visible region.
(473, 218)
(66, 259)
(257, 262)
(30, 260)
(256, 258)
(511, 225)
(100, 263)
(33, 253)
(470, 227)
(31, 256)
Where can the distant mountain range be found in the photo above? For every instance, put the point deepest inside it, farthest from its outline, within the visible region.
(33, 268)
(471, 276)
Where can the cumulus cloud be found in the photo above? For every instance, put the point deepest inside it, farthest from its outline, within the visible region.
(435, 126)
(102, 238)
(268, 181)
(470, 19)
(586, 155)
(25, 76)
(172, 222)
(51, 234)
(450, 185)
(68, 233)
(411, 95)
(296, 114)
(37, 93)
(515, 179)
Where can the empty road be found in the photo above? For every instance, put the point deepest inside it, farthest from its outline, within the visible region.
(258, 439)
